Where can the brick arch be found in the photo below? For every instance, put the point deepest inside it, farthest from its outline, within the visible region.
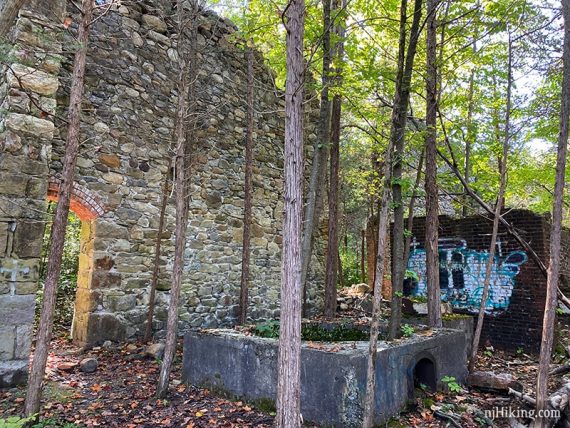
(84, 203)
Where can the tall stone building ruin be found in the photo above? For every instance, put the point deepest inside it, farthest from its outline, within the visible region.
(127, 129)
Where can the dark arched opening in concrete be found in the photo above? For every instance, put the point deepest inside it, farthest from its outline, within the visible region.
(424, 375)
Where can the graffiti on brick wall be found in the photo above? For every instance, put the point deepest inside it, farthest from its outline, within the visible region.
(462, 273)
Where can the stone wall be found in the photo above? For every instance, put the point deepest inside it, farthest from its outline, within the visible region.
(28, 83)
(127, 128)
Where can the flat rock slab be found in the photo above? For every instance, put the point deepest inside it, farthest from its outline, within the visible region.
(67, 366)
(494, 381)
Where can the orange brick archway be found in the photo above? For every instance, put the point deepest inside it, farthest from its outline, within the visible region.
(83, 202)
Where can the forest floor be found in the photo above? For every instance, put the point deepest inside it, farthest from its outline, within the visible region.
(120, 393)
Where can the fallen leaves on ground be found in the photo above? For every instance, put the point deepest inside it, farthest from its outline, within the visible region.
(121, 394)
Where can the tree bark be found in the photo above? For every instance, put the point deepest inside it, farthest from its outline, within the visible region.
(362, 256)
(8, 15)
(432, 199)
(397, 138)
(384, 221)
(289, 360)
(497, 216)
(33, 395)
(183, 134)
(248, 190)
(470, 138)
(411, 208)
(157, 253)
(556, 230)
(320, 155)
(331, 272)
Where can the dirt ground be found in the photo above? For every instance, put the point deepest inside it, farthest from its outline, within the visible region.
(121, 394)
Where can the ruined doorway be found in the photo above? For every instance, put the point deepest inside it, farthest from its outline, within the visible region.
(74, 287)
(67, 284)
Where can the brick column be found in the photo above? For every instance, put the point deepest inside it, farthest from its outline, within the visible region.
(28, 83)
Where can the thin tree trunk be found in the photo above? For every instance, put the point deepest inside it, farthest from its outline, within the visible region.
(471, 134)
(157, 253)
(331, 272)
(384, 221)
(33, 396)
(432, 199)
(183, 134)
(340, 273)
(362, 256)
(246, 250)
(397, 137)
(556, 231)
(411, 207)
(8, 15)
(320, 155)
(497, 216)
(289, 360)
(469, 139)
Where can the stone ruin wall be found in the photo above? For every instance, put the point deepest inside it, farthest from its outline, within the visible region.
(127, 127)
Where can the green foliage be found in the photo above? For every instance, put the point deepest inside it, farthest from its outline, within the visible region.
(342, 333)
(410, 274)
(67, 284)
(350, 260)
(16, 422)
(314, 332)
(451, 384)
(54, 423)
(407, 330)
(418, 299)
(269, 329)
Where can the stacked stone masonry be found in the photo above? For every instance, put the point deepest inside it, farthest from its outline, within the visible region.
(127, 129)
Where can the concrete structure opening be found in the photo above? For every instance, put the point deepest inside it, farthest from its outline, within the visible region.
(425, 374)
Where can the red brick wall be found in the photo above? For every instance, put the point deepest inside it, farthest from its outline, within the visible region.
(520, 324)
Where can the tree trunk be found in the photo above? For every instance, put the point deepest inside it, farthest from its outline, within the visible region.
(384, 221)
(33, 396)
(411, 207)
(340, 274)
(362, 256)
(246, 250)
(8, 15)
(320, 154)
(183, 134)
(432, 199)
(157, 253)
(289, 361)
(556, 231)
(470, 138)
(497, 216)
(331, 273)
(397, 136)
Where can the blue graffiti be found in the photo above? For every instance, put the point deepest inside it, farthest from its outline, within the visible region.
(462, 273)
